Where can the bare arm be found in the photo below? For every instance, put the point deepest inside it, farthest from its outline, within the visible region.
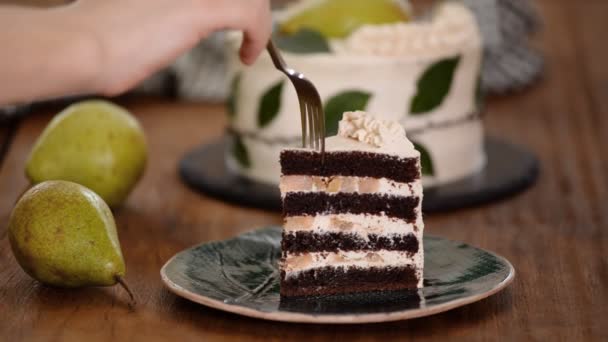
(109, 46)
(44, 55)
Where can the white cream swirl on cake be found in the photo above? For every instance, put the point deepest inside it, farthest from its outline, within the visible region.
(423, 74)
(365, 132)
(451, 27)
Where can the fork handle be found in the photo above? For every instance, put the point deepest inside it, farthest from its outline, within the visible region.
(275, 55)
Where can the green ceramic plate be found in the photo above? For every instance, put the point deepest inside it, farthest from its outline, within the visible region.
(241, 275)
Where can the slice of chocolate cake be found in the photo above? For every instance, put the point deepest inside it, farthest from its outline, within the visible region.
(352, 223)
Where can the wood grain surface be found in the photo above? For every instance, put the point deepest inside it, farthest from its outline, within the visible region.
(555, 234)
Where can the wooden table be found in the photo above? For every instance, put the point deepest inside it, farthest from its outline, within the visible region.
(555, 234)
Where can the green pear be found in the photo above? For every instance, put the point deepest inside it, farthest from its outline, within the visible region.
(338, 18)
(93, 143)
(64, 235)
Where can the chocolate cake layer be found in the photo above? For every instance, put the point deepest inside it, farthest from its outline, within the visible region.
(355, 303)
(332, 280)
(352, 163)
(312, 203)
(304, 242)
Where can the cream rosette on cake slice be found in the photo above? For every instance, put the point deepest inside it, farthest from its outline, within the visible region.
(422, 73)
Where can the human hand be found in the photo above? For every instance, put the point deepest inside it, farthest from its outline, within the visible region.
(138, 37)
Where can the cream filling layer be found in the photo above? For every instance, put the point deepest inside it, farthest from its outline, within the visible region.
(360, 224)
(335, 184)
(293, 263)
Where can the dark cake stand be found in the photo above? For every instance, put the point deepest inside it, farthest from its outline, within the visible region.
(509, 170)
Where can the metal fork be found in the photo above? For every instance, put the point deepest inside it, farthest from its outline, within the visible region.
(311, 107)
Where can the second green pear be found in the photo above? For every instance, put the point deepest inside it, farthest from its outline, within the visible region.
(93, 143)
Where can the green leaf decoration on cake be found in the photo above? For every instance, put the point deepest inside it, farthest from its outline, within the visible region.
(343, 102)
(234, 91)
(240, 153)
(426, 163)
(304, 41)
(434, 86)
(270, 105)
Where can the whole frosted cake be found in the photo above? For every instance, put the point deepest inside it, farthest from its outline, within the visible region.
(353, 223)
(423, 74)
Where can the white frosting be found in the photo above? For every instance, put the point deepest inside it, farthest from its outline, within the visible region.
(385, 135)
(457, 151)
(451, 27)
(360, 224)
(339, 143)
(294, 264)
(371, 130)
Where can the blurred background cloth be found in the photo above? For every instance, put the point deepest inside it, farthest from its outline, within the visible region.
(506, 25)
(510, 63)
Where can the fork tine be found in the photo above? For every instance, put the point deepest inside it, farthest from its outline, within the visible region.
(316, 107)
(317, 127)
(318, 135)
(303, 118)
(322, 120)
(321, 127)
(311, 126)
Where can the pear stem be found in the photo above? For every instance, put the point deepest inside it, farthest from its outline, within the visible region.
(124, 285)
